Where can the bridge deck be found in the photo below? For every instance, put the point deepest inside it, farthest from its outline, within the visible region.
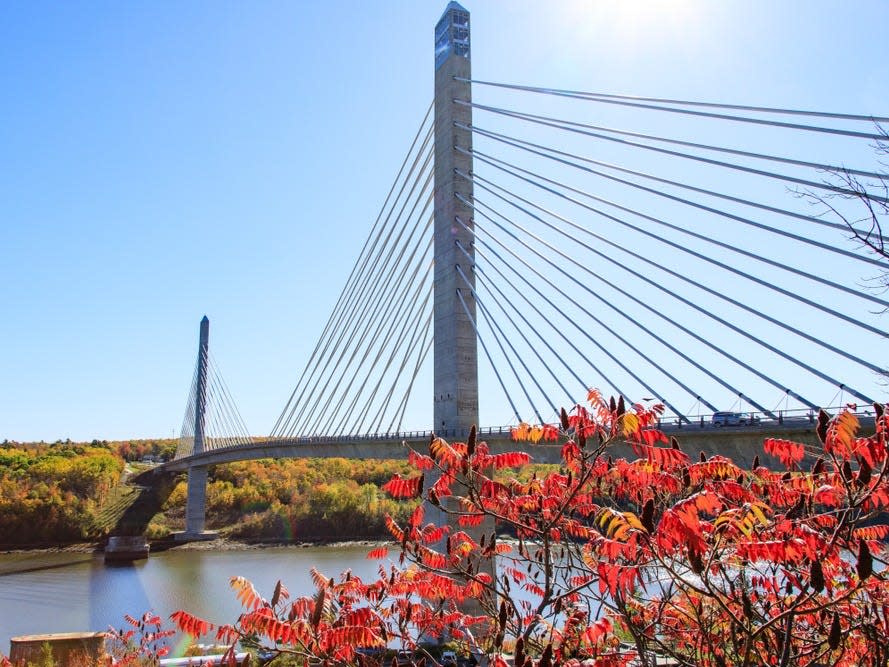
(741, 443)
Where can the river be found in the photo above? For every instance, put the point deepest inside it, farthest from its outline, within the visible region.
(70, 592)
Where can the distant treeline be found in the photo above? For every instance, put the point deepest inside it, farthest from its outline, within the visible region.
(55, 494)
(128, 450)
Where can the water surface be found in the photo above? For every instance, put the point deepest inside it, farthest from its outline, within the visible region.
(72, 592)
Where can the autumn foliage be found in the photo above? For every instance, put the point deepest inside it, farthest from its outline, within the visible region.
(53, 493)
(615, 561)
(140, 644)
(305, 499)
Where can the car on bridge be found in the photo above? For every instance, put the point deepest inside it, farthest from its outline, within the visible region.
(721, 419)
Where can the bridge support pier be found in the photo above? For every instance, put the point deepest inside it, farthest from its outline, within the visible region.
(196, 498)
(195, 505)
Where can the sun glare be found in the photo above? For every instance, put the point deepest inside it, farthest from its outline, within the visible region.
(637, 25)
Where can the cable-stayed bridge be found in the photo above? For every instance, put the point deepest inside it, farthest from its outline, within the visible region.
(537, 242)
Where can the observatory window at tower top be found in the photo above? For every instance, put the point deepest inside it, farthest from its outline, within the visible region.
(452, 34)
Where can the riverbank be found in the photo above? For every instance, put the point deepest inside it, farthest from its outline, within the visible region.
(22, 561)
(218, 544)
(225, 544)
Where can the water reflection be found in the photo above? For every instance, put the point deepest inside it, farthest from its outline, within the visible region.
(109, 582)
(67, 592)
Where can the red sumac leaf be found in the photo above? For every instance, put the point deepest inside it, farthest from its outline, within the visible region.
(189, 624)
(393, 528)
(510, 460)
(596, 631)
(470, 519)
(378, 553)
(398, 487)
(788, 452)
(420, 461)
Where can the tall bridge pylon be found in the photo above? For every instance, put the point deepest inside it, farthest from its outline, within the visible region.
(455, 378)
(455, 339)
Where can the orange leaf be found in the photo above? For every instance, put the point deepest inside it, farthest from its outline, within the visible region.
(877, 532)
(245, 592)
(350, 635)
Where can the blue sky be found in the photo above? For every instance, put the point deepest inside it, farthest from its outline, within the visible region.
(160, 161)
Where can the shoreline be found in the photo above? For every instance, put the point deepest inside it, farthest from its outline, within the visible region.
(168, 544)
(19, 561)
(227, 544)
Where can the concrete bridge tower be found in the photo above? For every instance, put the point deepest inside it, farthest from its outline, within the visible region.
(455, 354)
(455, 361)
(196, 497)
(455, 373)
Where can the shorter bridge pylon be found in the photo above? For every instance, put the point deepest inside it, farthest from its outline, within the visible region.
(211, 421)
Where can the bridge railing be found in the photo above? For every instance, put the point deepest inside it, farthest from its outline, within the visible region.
(500, 431)
(776, 419)
(797, 418)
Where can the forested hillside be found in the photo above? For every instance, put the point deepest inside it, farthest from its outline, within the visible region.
(302, 499)
(52, 493)
(67, 492)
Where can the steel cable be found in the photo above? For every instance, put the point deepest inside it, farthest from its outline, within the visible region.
(517, 143)
(498, 164)
(488, 355)
(369, 308)
(691, 304)
(593, 97)
(602, 324)
(678, 142)
(851, 357)
(565, 125)
(406, 316)
(418, 337)
(387, 296)
(367, 291)
(642, 303)
(491, 285)
(557, 309)
(425, 347)
(346, 296)
(495, 329)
